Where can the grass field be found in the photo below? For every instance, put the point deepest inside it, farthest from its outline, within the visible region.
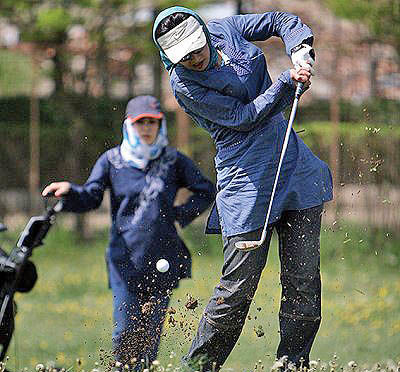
(68, 313)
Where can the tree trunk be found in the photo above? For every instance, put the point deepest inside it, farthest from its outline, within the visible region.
(102, 64)
(373, 80)
(76, 157)
(243, 7)
(157, 69)
(59, 69)
(34, 142)
(334, 111)
(239, 7)
(334, 156)
(183, 131)
(157, 79)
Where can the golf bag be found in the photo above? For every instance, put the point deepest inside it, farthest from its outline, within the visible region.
(18, 273)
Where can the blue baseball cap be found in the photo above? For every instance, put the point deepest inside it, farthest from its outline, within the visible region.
(143, 107)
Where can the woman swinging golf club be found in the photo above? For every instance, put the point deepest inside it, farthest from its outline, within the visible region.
(221, 80)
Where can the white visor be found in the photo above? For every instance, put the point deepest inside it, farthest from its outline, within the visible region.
(183, 39)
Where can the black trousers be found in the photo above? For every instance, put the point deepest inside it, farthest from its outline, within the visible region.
(300, 310)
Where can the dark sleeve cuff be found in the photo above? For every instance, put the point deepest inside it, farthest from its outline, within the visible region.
(285, 78)
(298, 37)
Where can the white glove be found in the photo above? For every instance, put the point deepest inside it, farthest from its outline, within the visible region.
(303, 56)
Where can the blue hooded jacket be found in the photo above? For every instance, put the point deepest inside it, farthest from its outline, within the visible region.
(143, 213)
(241, 108)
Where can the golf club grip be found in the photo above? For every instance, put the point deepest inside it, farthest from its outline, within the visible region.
(299, 90)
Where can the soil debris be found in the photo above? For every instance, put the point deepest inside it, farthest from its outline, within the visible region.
(220, 300)
(259, 331)
(147, 308)
(171, 321)
(191, 303)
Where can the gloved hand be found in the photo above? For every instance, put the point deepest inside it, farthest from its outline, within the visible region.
(303, 56)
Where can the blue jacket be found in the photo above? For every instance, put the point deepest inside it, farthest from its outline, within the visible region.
(143, 212)
(241, 108)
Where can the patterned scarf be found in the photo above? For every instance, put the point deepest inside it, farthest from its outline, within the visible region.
(137, 153)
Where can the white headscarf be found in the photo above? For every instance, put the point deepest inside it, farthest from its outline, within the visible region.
(137, 153)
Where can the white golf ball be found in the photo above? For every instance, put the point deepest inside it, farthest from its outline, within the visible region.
(162, 265)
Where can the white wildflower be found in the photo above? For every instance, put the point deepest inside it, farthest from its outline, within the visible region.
(313, 364)
(352, 364)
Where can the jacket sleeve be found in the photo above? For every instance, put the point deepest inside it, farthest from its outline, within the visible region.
(260, 27)
(90, 195)
(190, 177)
(229, 111)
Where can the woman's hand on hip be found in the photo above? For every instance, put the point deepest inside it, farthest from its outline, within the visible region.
(57, 188)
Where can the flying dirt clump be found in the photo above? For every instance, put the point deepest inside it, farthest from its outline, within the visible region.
(147, 308)
(220, 300)
(259, 331)
(171, 311)
(171, 321)
(191, 302)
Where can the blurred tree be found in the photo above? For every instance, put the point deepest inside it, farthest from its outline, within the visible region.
(117, 36)
(383, 20)
(382, 17)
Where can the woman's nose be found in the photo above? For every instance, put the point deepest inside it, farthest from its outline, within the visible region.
(196, 58)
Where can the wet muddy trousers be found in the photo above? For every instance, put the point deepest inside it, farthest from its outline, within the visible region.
(300, 309)
(138, 315)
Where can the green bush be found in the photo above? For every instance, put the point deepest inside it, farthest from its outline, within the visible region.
(368, 152)
(378, 110)
(367, 146)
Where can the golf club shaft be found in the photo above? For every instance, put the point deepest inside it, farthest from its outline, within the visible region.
(284, 147)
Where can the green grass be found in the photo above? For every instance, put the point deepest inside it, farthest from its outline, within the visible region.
(68, 313)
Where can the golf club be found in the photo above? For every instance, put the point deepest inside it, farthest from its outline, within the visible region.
(250, 245)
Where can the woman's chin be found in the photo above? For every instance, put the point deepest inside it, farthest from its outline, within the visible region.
(198, 67)
(147, 141)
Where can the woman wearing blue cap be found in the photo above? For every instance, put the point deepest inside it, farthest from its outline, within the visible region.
(220, 78)
(143, 175)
